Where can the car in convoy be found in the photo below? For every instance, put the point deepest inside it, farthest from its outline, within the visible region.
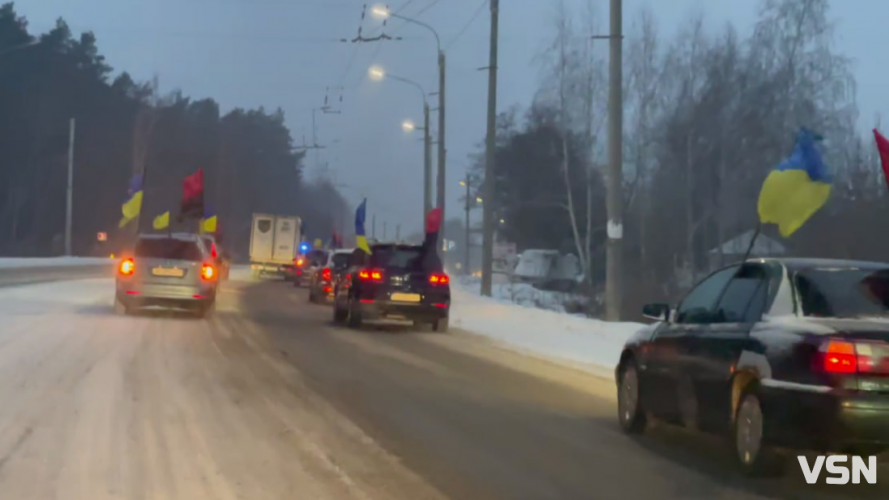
(321, 280)
(173, 271)
(778, 354)
(397, 282)
(305, 265)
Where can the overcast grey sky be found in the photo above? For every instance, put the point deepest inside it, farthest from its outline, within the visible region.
(286, 53)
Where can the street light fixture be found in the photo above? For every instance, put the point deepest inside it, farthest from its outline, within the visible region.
(408, 126)
(380, 12)
(376, 73)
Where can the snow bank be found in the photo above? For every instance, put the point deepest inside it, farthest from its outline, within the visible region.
(590, 343)
(23, 262)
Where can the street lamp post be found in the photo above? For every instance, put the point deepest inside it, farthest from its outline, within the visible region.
(382, 12)
(377, 73)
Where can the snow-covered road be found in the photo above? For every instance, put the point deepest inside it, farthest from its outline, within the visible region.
(268, 400)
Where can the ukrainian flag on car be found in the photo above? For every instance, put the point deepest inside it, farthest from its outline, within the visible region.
(797, 187)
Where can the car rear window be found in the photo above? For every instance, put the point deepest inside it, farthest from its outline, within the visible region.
(341, 260)
(404, 257)
(843, 292)
(168, 248)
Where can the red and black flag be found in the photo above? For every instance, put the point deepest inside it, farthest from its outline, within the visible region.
(193, 196)
(433, 225)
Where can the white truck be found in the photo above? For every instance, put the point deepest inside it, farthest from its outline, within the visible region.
(274, 244)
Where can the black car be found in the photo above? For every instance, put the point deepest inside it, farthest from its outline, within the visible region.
(304, 266)
(396, 281)
(777, 354)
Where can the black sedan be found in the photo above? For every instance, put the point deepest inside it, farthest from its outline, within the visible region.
(776, 354)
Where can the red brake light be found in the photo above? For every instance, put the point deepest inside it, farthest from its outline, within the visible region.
(841, 357)
(375, 275)
(127, 267)
(439, 279)
(325, 274)
(213, 250)
(208, 272)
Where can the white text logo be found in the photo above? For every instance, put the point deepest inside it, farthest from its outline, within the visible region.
(836, 467)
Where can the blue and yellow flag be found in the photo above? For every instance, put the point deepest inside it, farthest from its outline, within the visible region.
(360, 237)
(133, 206)
(208, 223)
(797, 187)
(162, 221)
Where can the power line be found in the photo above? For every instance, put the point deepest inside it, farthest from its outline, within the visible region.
(465, 28)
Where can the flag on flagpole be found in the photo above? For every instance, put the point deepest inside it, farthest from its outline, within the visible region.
(797, 187)
(162, 221)
(193, 195)
(883, 148)
(360, 237)
(133, 205)
(208, 223)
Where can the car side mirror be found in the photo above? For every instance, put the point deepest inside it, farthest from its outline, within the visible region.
(657, 312)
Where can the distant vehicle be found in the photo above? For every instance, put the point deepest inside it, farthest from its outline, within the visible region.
(396, 281)
(777, 353)
(321, 279)
(306, 264)
(218, 254)
(273, 244)
(173, 271)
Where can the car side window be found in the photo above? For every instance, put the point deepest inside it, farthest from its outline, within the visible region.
(746, 296)
(698, 306)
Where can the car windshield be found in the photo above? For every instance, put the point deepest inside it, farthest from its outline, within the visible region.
(404, 257)
(844, 292)
(168, 248)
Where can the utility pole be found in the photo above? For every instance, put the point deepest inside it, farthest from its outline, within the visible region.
(384, 230)
(487, 207)
(70, 194)
(398, 232)
(373, 226)
(442, 151)
(427, 163)
(466, 228)
(614, 188)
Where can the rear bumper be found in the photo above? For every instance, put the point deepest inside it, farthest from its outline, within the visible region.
(277, 269)
(830, 421)
(387, 309)
(146, 294)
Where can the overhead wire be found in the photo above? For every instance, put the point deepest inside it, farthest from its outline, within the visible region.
(466, 26)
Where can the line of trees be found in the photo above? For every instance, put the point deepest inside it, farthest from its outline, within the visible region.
(125, 127)
(707, 115)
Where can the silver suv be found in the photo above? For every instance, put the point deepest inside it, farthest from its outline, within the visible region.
(174, 271)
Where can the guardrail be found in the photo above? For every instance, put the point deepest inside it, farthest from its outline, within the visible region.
(44, 273)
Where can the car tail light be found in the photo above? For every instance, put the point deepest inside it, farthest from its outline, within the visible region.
(213, 251)
(127, 267)
(325, 274)
(439, 279)
(208, 272)
(846, 357)
(374, 275)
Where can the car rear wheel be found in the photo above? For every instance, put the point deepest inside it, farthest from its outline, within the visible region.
(754, 456)
(339, 314)
(354, 319)
(120, 307)
(629, 412)
(440, 325)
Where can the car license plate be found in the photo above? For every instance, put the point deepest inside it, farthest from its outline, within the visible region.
(406, 297)
(173, 272)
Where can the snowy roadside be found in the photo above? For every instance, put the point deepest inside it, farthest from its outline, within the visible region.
(26, 262)
(588, 344)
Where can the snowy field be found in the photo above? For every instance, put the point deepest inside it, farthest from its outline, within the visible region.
(590, 344)
(24, 262)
